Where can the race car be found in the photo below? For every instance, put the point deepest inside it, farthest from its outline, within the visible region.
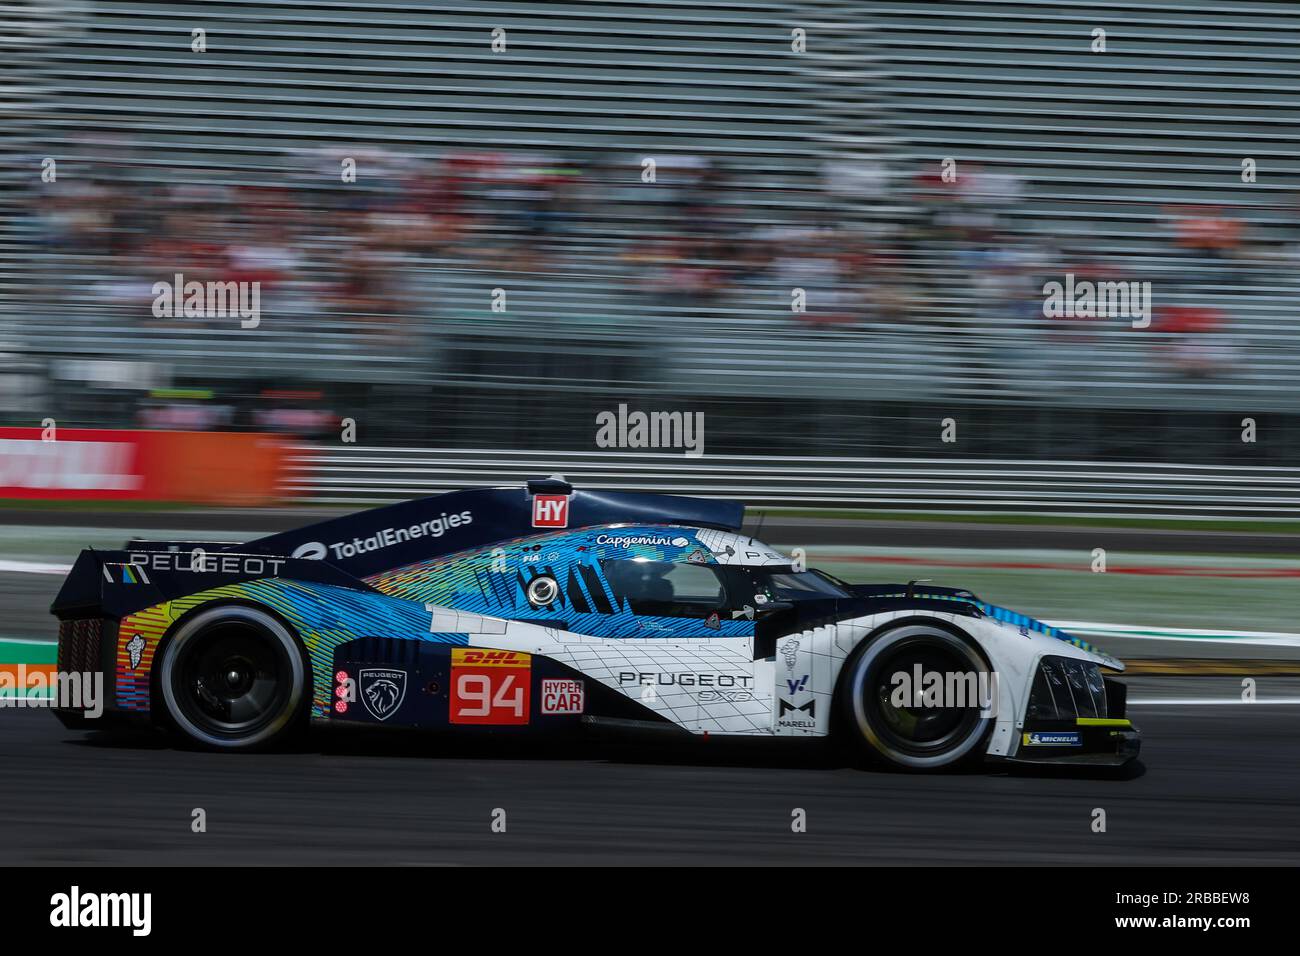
(546, 609)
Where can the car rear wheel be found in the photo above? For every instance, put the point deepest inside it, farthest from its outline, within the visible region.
(887, 710)
(233, 677)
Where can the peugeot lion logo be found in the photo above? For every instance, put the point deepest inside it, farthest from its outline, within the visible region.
(382, 691)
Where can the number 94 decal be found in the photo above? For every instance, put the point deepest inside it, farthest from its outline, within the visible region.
(489, 687)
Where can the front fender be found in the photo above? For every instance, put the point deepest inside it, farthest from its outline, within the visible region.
(808, 665)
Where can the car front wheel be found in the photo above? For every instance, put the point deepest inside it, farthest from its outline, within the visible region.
(917, 697)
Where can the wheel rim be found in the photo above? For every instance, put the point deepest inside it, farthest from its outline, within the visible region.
(233, 679)
(922, 736)
(917, 729)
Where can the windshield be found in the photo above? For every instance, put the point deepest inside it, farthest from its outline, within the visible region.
(787, 584)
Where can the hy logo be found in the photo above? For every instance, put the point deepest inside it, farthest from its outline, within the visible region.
(550, 511)
(382, 691)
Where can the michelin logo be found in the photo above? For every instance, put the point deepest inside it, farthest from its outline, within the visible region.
(433, 528)
(790, 652)
(1046, 739)
(135, 648)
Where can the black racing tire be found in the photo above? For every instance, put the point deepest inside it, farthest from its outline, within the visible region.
(234, 677)
(913, 738)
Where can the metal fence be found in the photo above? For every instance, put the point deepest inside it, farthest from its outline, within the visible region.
(361, 475)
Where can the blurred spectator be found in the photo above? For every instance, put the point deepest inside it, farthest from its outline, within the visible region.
(1206, 230)
(300, 413)
(368, 250)
(187, 410)
(1195, 341)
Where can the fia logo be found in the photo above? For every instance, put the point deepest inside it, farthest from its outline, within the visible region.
(550, 511)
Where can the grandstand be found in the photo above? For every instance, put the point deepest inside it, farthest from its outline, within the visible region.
(522, 170)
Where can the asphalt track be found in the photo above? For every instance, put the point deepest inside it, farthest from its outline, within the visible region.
(25, 605)
(1218, 787)
(1217, 783)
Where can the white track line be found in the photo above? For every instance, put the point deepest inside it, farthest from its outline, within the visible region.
(1153, 633)
(1197, 701)
(33, 567)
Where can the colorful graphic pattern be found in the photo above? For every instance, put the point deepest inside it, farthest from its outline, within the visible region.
(495, 580)
(323, 615)
(1015, 618)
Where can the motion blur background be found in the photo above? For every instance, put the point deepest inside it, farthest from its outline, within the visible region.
(1082, 446)
(521, 170)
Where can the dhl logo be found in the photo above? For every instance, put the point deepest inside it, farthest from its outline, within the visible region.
(478, 657)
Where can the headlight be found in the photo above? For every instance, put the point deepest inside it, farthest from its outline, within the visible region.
(1066, 688)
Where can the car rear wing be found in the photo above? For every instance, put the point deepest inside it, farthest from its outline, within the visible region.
(392, 536)
(344, 550)
(116, 583)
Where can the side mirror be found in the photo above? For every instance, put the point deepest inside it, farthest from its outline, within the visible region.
(752, 613)
(768, 608)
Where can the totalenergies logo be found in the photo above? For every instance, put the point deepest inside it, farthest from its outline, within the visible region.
(433, 528)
